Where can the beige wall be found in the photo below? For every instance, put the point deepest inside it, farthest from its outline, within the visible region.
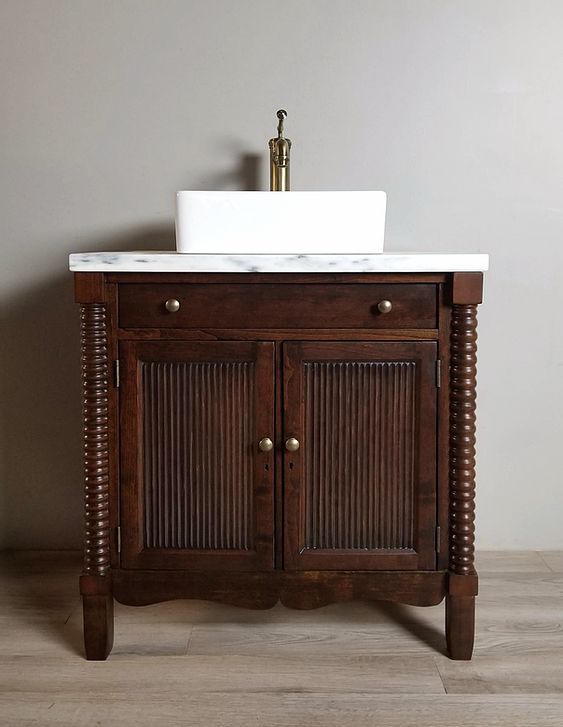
(453, 107)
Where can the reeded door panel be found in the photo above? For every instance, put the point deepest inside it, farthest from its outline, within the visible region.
(360, 491)
(196, 490)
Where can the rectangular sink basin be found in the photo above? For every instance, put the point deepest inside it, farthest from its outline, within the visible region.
(297, 223)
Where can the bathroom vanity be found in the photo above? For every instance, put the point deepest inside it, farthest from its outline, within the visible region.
(279, 428)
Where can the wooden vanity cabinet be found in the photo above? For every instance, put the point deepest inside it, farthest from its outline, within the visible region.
(255, 438)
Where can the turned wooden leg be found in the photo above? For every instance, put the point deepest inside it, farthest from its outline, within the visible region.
(95, 582)
(462, 588)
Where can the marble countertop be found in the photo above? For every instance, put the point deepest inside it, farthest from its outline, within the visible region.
(173, 262)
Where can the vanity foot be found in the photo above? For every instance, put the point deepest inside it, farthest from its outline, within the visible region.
(460, 626)
(98, 626)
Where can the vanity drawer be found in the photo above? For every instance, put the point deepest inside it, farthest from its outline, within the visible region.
(276, 305)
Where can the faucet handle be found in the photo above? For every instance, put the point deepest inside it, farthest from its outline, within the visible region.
(282, 115)
(279, 157)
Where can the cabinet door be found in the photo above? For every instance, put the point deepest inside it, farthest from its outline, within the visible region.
(196, 492)
(360, 492)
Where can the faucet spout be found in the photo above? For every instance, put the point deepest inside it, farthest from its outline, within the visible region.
(279, 157)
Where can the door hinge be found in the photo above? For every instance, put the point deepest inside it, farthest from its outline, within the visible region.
(116, 373)
(118, 538)
(438, 538)
(438, 373)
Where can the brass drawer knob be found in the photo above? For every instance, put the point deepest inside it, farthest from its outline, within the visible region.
(384, 306)
(266, 444)
(172, 305)
(292, 444)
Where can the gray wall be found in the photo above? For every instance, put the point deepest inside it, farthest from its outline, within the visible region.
(453, 107)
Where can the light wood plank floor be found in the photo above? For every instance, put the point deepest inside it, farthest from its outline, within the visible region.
(351, 665)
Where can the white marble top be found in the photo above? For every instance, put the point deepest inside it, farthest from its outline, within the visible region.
(173, 262)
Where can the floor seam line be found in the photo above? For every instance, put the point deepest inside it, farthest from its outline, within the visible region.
(189, 640)
(440, 675)
(544, 561)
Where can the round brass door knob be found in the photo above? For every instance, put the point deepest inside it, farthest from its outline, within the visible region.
(172, 305)
(384, 306)
(266, 444)
(292, 444)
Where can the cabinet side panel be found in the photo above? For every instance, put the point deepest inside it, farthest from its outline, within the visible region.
(198, 424)
(360, 455)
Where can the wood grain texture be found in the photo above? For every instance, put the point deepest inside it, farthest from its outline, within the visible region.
(95, 396)
(517, 561)
(467, 288)
(95, 584)
(276, 334)
(460, 626)
(460, 609)
(278, 278)
(279, 485)
(443, 434)
(296, 513)
(89, 288)
(359, 455)
(196, 490)
(519, 616)
(463, 372)
(274, 708)
(295, 589)
(553, 559)
(279, 306)
(98, 626)
(360, 491)
(198, 429)
(355, 665)
(275, 641)
(209, 674)
(534, 673)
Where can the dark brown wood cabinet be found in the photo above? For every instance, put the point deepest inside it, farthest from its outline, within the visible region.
(194, 493)
(360, 494)
(252, 438)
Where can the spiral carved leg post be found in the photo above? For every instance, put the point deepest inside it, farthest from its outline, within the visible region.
(462, 588)
(95, 582)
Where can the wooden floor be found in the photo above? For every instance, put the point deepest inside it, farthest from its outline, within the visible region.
(351, 665)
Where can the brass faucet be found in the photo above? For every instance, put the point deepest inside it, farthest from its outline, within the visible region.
(279, 158)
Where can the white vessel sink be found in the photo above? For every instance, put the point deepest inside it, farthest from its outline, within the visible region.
(299, 223)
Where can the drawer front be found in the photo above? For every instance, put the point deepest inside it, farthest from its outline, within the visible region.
(309, 305)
